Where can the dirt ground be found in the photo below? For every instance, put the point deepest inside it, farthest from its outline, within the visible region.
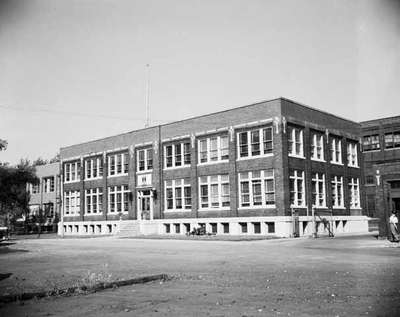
(343, 276)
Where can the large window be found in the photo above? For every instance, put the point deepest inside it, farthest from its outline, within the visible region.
(94, 201)
(257, 189)
(94, 167)
(118, 164)
(371, 142)
(118, 199)
(178, 195)
(177, 155)
(255, 142)
(336, 150)
(48, 184)
(295, 141)
(297, 188)
(145, 160)
(337, 192)
(318, 190)
(354, 191)
(317, 147)
(214, 191)
(392, 140)
(72, 202)
(352, 158)
(72, 172)
(213, 149)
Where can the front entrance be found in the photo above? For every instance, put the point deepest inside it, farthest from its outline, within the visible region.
(145, 205)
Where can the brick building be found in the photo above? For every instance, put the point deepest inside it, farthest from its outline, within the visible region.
(256, 169)
(46, 194)
(381, 154)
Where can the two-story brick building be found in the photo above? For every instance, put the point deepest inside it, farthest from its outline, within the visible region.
(381, 154)
(248, 170)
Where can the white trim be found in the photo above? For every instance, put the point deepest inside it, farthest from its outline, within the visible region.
(208, 149)
(219, 184)
(124, 148)
(252, 124)
(176, 138)
(93, 154)
(249, 144)
(143, 144)
(74, 158)
(173, 157)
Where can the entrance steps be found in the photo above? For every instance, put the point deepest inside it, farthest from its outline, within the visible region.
(128, 229)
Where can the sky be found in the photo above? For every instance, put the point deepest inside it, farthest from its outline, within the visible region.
(75, 71)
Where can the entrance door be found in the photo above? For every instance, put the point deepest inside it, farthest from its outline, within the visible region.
(145, 205)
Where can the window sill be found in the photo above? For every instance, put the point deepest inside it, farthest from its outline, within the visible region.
(117, 175)
(296, 206)
(337, 163)
(367, 151)
(215, 209)
(117, 213)
(355, 208)
(320, 207)
(297, 156)
(212, 163)
(318, 160)
(258, 207)
(254, 157)
(96, 178)
(392, 149)
(71, 182)
(93, 214)
(176, 167)
(177, 210)
(144, 172)
(338, 207)
(353, 166)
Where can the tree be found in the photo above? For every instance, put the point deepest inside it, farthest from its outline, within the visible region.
(3, 145)
(14, 198)
(55, 159)
(40, 161)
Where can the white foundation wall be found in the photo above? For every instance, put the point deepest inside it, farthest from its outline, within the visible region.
(268, 226)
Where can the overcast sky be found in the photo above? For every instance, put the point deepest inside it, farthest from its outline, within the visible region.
(74, 71)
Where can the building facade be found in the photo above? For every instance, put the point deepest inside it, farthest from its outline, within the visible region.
(264, 168)
(46, 195)
(381, 154)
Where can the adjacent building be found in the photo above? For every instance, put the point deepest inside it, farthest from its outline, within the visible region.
(264, 168)
(381, 154)
(45, 196)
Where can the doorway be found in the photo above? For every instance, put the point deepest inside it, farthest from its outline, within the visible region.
(145, 205)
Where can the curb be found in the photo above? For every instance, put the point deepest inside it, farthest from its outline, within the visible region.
(83, 289)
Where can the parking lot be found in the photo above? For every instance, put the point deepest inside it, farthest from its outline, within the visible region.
(343, 276)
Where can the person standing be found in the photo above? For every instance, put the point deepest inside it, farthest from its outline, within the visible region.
(394, 229)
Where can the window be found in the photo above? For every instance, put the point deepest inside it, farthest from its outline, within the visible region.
(214, 149)
(295, 141)
(369, 179)
(352, 158)
(48, 184)
(94, 167)
(255, 142)
(214, 191)
(317, 147)
(371, 142)
(178, 194)
(145, 160)
(118, 199)
(177, 155)
(354, 192)
(72, 202)
(392, 140)
(337, 192)
(256, 188)
(336, 150)
(118, 164)
(318, 190)
(34, 188)
(297, 188)
(94, 201)
(49, 210)
(72, 172)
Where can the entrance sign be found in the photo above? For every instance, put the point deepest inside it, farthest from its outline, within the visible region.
(144, 180)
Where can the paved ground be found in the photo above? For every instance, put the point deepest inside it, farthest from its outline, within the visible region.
(348, 276)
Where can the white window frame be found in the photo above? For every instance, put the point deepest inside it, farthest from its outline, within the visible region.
(124, 156)
(222, 179)
(70, 208)
(73, 170)
(352, 154)
(371, 143)
(249, 177)
(292, 149)
(296, 177)
(146, 152)
(335, 182)
(354, 189)
(317, 147)
(89, 166)
(89, 194)
(47, 184)
(249, 143)
(182, 155)
(317, 179)
(178, 184)
(123, 190)
(336, 151)
(219, 150)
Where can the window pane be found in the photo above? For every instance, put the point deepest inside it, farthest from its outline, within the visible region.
(255, 142)
(243, 146)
